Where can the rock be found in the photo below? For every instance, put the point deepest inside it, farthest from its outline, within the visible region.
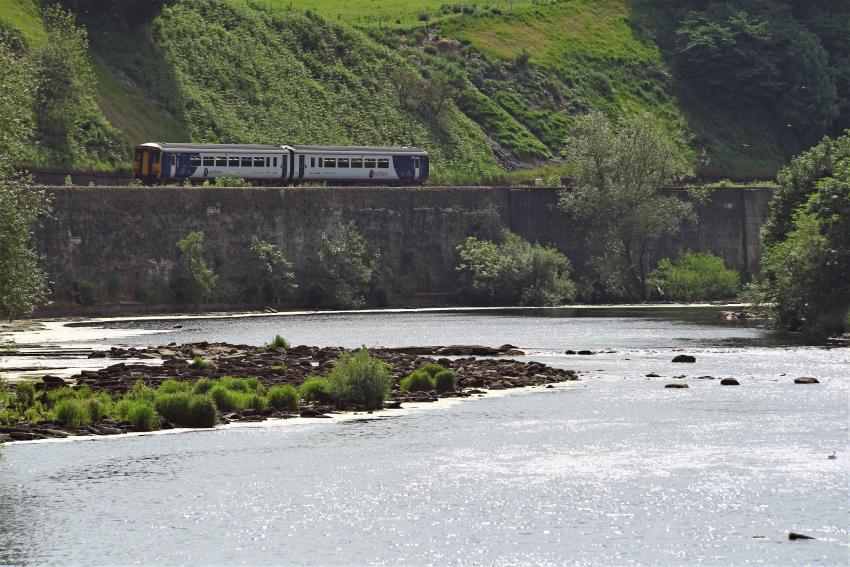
(569, 352)
(167, 353)
(684, 358)
(729, 382)
(585, 352)
(806, 380)
(549, 386)
(653, 375)
(676, 386)
(395, 404)
(794, 535)
(53, 380)
(97, 354)
(310, 412)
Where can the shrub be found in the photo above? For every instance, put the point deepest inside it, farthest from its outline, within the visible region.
(72, 413)
(359, 380)
(269, 275)
(316, 389)
(344, 268)
(99, 406)
(419, 381)
(433, 369)
(241, 384)
(202, 386)
(140, 392)
(197, 282)
(232, 181)
(284, 397)
(172, 386)
(53, 397)
(140, 412)
(225, 400)
(278, 342)
(187, 410)
(693, 276)
(445, 381)
(25, 394)
(514, 272)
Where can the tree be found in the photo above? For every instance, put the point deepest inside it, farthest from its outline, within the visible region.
(806, 264)
(621, 168)
(344, 268)
(270, 275)
(197, 282)
(23, 283)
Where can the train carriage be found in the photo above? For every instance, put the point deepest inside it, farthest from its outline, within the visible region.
(155, 163)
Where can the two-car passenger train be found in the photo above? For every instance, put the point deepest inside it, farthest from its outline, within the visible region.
(155, 163)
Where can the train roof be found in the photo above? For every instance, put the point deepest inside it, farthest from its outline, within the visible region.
(178, 147)
(404, 150)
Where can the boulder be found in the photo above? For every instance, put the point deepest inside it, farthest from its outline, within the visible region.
(684, 358)
(806, 380)
(794, 535)
(729, 382)
(53, 380)
(569, 352)
(676, 386)
(653, 375)
(585, 352)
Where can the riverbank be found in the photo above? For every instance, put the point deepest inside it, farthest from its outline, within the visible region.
(272, 367)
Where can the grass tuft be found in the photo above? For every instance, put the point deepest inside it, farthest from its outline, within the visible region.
(284, 398)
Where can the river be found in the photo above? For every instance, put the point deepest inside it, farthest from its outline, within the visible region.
(614, 469)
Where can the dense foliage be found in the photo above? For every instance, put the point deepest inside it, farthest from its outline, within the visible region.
(693, 277)
(359, 380)
(196, 282)
(621, 169)
(806, 265)
(269, 277)
(23, 284)
(343, 269)
(513, 272)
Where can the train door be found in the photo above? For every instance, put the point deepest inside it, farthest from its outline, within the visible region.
(417, 167)
(301, 167)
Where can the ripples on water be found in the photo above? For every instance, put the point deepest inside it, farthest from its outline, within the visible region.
(611, 470)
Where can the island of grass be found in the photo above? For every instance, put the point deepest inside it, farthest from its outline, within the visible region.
(202, 385)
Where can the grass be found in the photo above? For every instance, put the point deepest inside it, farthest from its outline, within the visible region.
(359, 380)
(25, 17)
(278, 342)
(284, 398)
(316, 389)
(419, 381)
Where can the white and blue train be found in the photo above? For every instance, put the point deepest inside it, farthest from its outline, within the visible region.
(157, 163)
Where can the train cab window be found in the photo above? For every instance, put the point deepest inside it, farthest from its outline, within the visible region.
(259, 162)
(233, 161)
(156, 158)
(369, 163)
(195, 160)
(383, 163)
(329, 162)
(221, 161)
(312, 162)
(342, 162)
(138, 156)
(209, 161)
(357, 162)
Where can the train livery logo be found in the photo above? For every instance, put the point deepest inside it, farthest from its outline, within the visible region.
(206, 172)
(371, 173)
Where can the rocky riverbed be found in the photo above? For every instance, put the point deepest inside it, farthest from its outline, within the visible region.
(477, 368)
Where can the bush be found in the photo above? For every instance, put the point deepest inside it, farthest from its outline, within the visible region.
(284, 398)
(359, 380)
(514, 272)
(140, 392)
(99, 406)
(202, 386)
(225, 400)
(344, 269)
(53, 397)
(433, 369)
(140, 412)
(445, 381)
(187, 410)
(25, 394)
(72, 413)
(197, 282)
(419, 381)
(316, 389)
(172, 386)
(278, 342)
(693, 276)
(241, 384)
(269, 274)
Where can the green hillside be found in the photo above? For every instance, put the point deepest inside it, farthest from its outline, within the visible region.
(478, 85)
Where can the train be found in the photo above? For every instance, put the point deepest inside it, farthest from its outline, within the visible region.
(159, 163)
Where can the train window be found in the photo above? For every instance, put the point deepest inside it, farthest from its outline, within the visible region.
(383, 163)
(342, 162)
(221, 161)
(312, 162)
(246, 162)
(195, 160)
(356, 162)
(329, 162)
(233, 161)
(208, 161)
(258, 162)
(138, 156)
(156, 158)
(369, 163)
(274, 160)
